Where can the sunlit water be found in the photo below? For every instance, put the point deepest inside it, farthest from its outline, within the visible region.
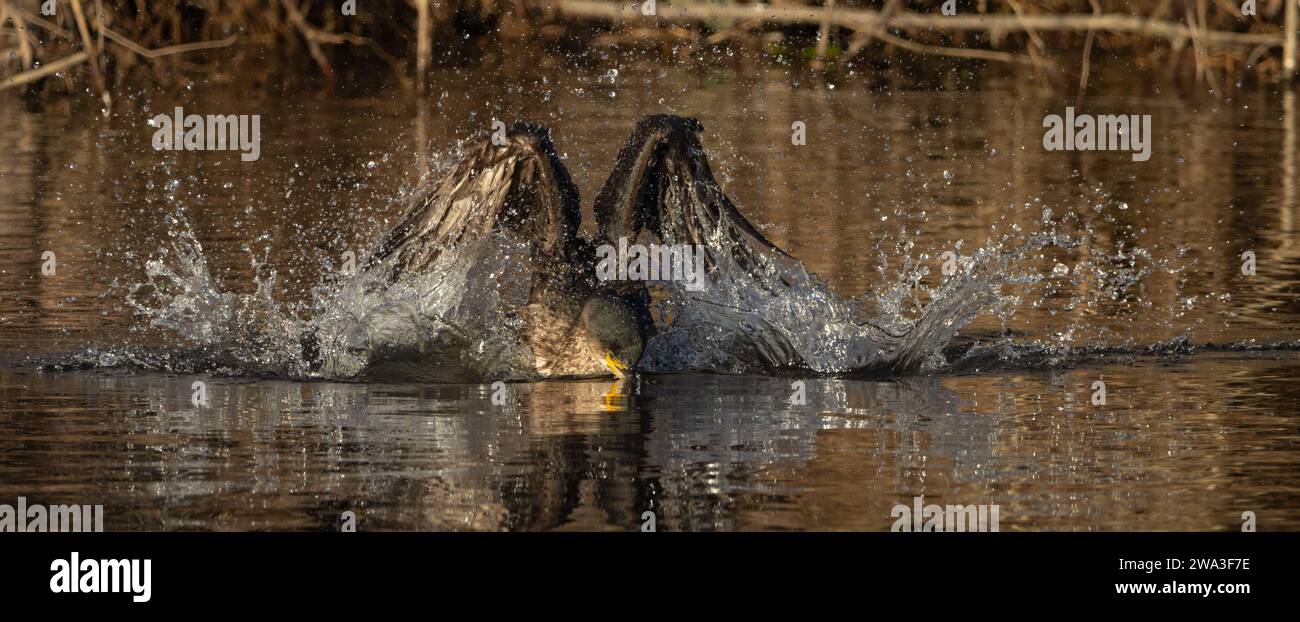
(1090, 267)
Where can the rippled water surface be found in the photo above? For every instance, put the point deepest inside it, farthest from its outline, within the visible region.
(1194, 431)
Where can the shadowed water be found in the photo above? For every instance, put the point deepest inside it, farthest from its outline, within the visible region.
(1169, 451)
(1136, 255)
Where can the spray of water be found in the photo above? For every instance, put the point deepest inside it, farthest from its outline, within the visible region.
(779, 315)
(456, 321)
(459, 320)
(249, 333)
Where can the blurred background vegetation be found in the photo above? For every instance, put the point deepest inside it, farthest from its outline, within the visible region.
(56, 47)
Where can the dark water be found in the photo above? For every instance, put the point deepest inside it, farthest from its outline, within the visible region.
(1183, 442)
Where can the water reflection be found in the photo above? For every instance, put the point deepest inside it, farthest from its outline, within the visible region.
(1173, 449)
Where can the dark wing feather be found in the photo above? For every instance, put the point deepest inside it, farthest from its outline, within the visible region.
(662, 183)
(519, 185)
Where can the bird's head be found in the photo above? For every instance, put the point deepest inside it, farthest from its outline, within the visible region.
(615, 333)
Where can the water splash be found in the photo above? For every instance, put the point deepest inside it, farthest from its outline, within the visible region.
(456, 321)
(782, 315)
(249, 333)
(460, 320)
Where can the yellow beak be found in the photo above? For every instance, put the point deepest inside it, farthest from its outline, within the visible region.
(615, 365)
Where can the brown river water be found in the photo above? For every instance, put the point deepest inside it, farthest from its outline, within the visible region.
(1189, 438)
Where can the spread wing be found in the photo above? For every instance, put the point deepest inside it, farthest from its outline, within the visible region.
(662, 184)
(519, 185)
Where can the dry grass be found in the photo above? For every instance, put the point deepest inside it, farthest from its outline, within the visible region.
(103, 44)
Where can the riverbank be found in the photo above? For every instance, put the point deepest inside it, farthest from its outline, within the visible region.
(70, 47)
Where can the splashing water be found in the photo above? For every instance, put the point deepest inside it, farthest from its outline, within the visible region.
(249, 333)
(358, 326)
(788, 315)
(460, 320)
